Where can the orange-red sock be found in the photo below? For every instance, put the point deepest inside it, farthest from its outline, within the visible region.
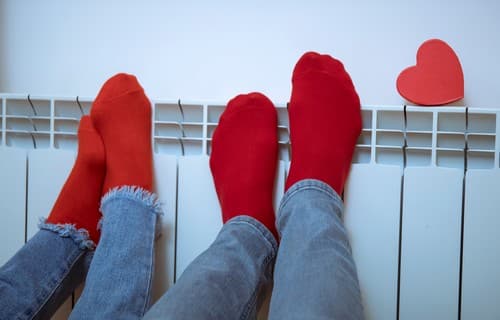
(79, 200)
(325, 121)
(244, 158)
(121, 114)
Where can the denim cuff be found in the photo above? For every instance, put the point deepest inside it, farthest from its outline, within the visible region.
(255, 224)
(67, 230)
(134, 193)
(314, 186)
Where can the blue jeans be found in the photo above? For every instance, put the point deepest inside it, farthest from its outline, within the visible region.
(314, 273)
(41, 276)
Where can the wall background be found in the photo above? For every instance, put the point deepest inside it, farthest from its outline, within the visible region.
(213, 50)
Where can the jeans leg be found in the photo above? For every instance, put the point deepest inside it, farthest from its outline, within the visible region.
(42, 274)
(315, 275)
(118, 285)
(224, 281)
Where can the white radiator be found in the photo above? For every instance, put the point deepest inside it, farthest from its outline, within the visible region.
(422, 200)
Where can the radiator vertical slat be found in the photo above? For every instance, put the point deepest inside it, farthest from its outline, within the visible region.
(372, 212)
(48, 169)
(165, 171)
(481, 254)
(198, 212)
(430, 253)
(12, 201)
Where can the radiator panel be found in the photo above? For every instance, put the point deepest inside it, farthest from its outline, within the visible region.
(481, 254)
(47, 171)
(165, 171)
(430, 245)
(372, 212)
(12, 201)
(198, 211)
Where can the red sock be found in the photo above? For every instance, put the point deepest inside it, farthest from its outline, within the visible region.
(121, 114)
(79, 200)
(325, 121)
(244, 158)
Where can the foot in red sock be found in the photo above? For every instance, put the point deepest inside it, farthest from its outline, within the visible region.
(244, 158)
(79, 200)
(325, 121)
(121, 114)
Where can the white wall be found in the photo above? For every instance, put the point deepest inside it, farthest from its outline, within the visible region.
(212, 50)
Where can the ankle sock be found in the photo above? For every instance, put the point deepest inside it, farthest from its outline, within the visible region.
(79, 199)
(121, 114)
(244, 158)
(325, 121)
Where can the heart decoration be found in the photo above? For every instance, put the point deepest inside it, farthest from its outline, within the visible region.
(437, 78)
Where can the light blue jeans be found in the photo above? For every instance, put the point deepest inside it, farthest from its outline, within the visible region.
(314, 273)
(41, 276)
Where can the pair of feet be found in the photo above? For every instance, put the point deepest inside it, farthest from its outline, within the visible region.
(114, 144)
(114, 150)
(325, 122)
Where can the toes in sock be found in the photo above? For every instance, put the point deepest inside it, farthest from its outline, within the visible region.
(78, 201)
(244, 158)
(325, 121)
(121, 114)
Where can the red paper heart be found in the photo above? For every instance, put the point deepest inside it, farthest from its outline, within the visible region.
(437, 78)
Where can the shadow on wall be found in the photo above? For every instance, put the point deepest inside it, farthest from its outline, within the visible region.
(2, 45)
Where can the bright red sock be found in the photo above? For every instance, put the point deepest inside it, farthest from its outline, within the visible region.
(244, 158)
(325, 121)
(79, 200)
(121, 114)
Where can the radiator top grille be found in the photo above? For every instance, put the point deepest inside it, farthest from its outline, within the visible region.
(455, 137)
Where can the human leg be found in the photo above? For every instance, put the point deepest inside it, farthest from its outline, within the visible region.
(41, 276)
(315, 275)
(224, 282)
(118, 284)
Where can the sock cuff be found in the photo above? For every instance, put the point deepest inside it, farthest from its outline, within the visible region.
(135, 193)
(67, 230)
